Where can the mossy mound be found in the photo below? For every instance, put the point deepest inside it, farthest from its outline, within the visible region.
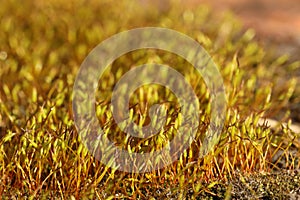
(42, 47)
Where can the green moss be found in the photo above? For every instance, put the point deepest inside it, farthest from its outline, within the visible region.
(42, 47)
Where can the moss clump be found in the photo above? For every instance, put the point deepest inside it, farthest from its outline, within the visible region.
(42, 47)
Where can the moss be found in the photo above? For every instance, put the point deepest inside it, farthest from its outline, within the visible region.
(42, 47)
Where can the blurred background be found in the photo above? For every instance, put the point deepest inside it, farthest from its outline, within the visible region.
(275, 21)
